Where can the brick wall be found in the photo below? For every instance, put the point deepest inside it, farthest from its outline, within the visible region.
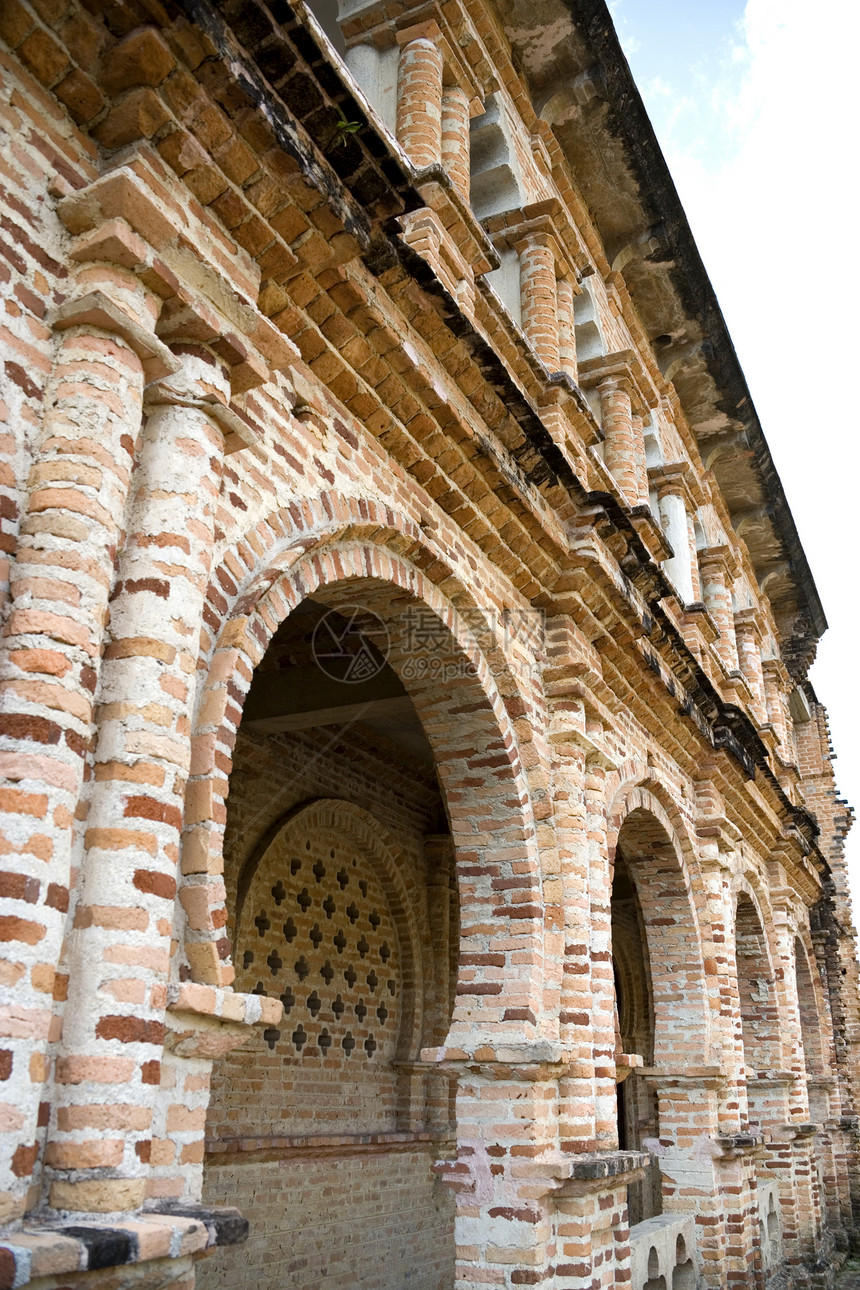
(377, 1221)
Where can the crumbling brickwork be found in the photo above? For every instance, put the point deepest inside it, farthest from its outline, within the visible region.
(421, 858)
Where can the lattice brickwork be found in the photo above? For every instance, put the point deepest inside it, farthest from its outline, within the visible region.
(316, 930)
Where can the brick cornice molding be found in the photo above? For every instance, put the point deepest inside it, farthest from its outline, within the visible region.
(137, 217)
(720, 559)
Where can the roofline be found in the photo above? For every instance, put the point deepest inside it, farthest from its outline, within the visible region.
(653, 173)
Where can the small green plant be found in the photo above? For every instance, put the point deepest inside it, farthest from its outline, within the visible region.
(343, 128)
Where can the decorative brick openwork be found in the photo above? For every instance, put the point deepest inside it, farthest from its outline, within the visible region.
(321, 928)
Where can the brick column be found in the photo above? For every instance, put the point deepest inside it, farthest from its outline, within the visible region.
(624, 446)
(78, 484)
(748, 637)
(673, 517)
(791, 1156)
(438, 857)
(455, 137)
(538, 297)
(506, 1165)
(108, 1074)
(419, 96)
(443, 925)
(716, 566)
(774, 678)
(565, 294)
(694, 557)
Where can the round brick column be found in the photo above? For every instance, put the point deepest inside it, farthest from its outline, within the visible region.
(566, 326)
(538, 297)
(749, 657)
(773, 671)
(455, 137)
(120, 947)
(717, 595)
(673, 515)
(60, 584)
(694, 558)
(624, 447)
(419, 101)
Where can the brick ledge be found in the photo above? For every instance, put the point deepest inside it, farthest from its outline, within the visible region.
(248, 1149)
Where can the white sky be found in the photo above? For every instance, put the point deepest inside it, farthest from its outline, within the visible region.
(755, 109)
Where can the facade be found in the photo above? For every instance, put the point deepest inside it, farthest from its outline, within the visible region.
(422, 865)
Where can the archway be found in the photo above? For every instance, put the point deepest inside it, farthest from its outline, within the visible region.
(662, 1008)
(638, 1117)
(759, 1014)
(358, 804)
(811, 1038)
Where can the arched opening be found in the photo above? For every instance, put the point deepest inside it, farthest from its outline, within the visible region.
(759, 1014)
(810, 1032)
(370, 766)
(660, 981)
(634, 1019)
(684, 1272)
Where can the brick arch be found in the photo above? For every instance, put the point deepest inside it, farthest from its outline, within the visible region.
(659, 858)
(759, 997)
(809, 1007)
(250, 567)
(467, 725)
(749, 885)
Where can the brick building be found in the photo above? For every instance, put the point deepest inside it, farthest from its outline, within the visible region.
(419, 836)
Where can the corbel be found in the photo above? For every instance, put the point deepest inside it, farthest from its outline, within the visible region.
(95, 309)
(678, 477)
(623, 365)
(510, 229)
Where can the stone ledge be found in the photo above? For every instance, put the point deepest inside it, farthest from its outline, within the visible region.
(224, 1004)
(605, 1164)
(508, 1059)
(57, 1248)
(599, 1171)
(730, 1145)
